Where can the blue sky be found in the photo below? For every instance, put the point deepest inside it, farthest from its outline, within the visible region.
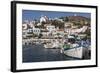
(33, 14)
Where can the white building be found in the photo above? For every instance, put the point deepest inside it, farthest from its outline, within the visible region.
(67, 24)
(43, 19)
(24, 26)
(61, 20)
(36, 30)
(50, 28)
(27, 32)
(58, 33)
(24, 33)
(68, 27)
(45, 33)
(76, 30)
(31, 24)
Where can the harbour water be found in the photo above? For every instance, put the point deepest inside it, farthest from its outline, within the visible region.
(37, 53)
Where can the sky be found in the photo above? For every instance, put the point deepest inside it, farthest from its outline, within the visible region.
(33, 14)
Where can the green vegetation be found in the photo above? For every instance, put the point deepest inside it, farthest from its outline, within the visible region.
(40, 26)
(65, 19)
(57, 23)
(77, 24)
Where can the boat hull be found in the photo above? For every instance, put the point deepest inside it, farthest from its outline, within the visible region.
(74, 52)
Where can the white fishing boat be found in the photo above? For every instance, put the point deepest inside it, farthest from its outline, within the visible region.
(76, 52)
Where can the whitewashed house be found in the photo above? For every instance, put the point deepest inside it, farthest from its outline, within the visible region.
(24, 26)
(26, 33)
(50, 28)
(24, 30)
(67, 24)
(60, 33)
(67, 27)
(31, 24)
(36, 30)
(61, 20)
(45, 33)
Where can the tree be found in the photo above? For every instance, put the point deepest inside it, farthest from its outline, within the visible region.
(77, 24)
(65, 19)
(57, 24)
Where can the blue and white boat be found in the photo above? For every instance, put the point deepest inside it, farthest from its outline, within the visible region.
(78, 50)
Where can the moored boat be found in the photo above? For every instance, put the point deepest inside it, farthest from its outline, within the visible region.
(76, 52)
(78, 49)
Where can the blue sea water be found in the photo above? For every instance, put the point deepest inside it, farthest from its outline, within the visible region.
(37, 53)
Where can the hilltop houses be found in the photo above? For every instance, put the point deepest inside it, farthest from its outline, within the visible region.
(52, 30)
(29, 30)
(58, 33)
